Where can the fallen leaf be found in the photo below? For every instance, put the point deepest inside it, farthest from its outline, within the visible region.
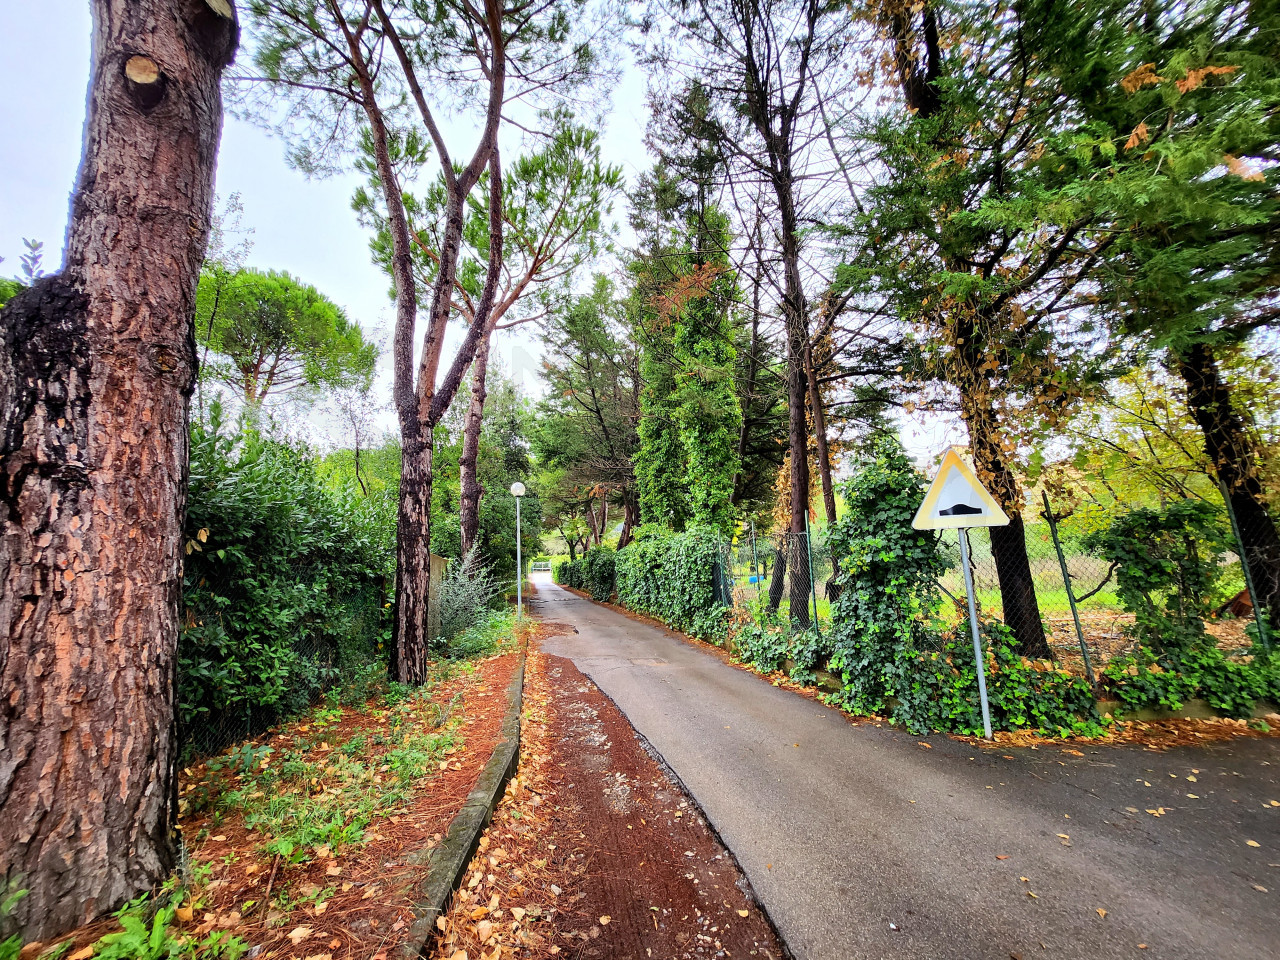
(184, 914)
(1025, 879)
(604, 921)
(1032, 895)
(518, 913)
(321, 956)
(1193, 796)
(83, 954)
(321, 908)
(484, 930)
(1259, 888)
(298, 934)
(218, 839)
(1064, 836)
(1101, 912)
(1002, 856)
(1253, 843)
(743, 913)
(335, 943)
(332, 870)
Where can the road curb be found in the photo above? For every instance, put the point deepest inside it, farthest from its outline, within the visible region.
(447, 863)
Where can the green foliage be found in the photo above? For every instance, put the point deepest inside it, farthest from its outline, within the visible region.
(593, 572)
(466, 591)
(598, 572)
(671, 576)
(9, 289)
(888, 576)
(272, 333)
(285, 580)
(1147, 680)
(150, 932)
(690, 412)
(1168, 563)
(890, 662)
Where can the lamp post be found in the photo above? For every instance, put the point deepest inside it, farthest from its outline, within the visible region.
(517, 491)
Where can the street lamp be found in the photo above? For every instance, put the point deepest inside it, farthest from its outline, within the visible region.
(517, 491)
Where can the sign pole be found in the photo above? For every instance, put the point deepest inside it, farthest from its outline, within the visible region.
(973, 623)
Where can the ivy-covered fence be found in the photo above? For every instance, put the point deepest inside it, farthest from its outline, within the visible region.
(899, 643)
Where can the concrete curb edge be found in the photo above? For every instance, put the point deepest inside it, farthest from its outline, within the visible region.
(447, 863)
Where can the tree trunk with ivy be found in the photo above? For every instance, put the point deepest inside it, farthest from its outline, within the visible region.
(1234, 457)
(97, 366)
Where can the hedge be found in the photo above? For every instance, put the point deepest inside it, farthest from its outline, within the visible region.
(592, 572)
(671, 576)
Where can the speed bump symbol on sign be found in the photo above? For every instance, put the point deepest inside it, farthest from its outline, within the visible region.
(957, 498)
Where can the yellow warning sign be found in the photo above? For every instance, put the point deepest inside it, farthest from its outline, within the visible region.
(957, 499)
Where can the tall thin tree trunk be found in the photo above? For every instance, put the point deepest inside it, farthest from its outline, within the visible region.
(413, 561)
(1232, 452)
(820, 433)
(468, 463)
(795, 313)
(97, 366)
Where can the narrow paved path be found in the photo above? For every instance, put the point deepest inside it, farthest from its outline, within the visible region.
(862, 843)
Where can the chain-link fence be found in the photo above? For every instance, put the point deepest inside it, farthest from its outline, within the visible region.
(257, 651)
(780, 571)
(1058, 597)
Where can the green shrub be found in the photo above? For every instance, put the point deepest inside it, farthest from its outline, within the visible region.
(672, 576)
(284, 585)
(880, 643)
(1168, 680)
(598, 572)
(1168, 563)
(568, 573)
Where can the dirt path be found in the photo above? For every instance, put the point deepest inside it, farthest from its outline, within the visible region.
(595, 852)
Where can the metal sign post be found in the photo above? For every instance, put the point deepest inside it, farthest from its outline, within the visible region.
(973, 624)
(958, 501)
(517, 491)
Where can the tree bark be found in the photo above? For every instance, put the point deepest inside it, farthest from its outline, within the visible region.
(778, 581)
(1232, 451)
(468, 462)
(820, 433)
(97, 367)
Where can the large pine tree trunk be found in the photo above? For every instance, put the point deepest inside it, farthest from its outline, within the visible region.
(413, 560)
(469, 480)
(1231, 449)
(97, 365)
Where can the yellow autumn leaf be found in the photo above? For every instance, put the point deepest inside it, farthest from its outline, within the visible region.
(604, 921)
(1139, 135)
(1101, 912)
(298, 934)
(742, 913)
(1253, 843)
(184, 913)
(1144, 76)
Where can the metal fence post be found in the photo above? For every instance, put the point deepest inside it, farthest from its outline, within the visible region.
(1066, 582)
(1244, 563)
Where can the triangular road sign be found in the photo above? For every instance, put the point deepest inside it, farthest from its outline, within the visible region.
(957, 498)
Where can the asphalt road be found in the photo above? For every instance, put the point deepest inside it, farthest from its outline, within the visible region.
(860, 842)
